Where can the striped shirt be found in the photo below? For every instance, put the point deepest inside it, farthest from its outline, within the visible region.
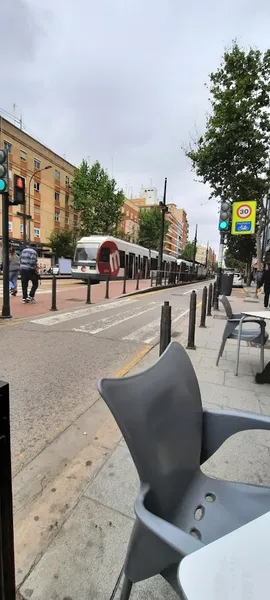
(28, 259)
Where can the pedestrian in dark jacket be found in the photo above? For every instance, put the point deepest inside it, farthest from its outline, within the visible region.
(14, 267)
(265, 282)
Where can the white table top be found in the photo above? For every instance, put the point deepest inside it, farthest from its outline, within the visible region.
(262, 314)
(235, 567)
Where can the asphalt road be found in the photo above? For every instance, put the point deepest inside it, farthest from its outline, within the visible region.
(53, 362)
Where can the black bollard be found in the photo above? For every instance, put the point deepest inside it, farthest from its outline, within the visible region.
(152, 277)
(157, 278)
(138, 280)
(125, 282)
(88, 297)
(215, 297)
(165, 327)
(192, 321)
(209, 304)
(204, 303)
(107, 287)
(53, 306)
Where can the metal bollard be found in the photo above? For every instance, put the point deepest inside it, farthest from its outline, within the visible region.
(204, 303)
(53, 306)
(125, 282)
(165, 327)
(152, 277)
(192, 321)
(215, 297)
(138, 280)
(107, 287)
(209, 304)
(157, 277)
(88, 297)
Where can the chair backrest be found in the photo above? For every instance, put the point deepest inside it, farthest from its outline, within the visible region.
(159, 412)
(227, 307)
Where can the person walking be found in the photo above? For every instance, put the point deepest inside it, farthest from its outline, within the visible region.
(29, 272)
(265, 282)
(14, 267)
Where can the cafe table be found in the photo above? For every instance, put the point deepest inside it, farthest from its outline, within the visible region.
(234, 567)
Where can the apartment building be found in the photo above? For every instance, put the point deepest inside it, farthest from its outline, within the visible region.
(201, 254)
(182, 217)
(47, 181)
(129, 225)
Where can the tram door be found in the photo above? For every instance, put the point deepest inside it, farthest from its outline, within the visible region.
(131, 257)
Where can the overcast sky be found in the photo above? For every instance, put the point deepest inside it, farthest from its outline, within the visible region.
(122, 81)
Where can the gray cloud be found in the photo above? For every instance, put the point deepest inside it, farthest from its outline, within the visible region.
(122, 81)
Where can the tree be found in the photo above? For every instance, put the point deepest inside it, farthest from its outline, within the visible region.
(188, 251)
(62, 243)
(232, 155)
(149, 227)
(97, 199)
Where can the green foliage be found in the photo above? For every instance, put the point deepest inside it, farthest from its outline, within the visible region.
(62, 243)
(240, 249)
(149, 227)
(232, 155)
(188, 251)
(97, 199)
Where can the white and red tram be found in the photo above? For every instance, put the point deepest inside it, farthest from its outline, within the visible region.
(99, 256)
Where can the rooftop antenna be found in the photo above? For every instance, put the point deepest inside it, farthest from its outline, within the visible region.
(14, 113)
(21, 124)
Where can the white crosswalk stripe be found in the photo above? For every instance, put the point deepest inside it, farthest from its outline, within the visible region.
(113, 320)
(82, 312)
(149, 332)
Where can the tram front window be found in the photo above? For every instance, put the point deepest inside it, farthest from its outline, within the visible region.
(86, 253)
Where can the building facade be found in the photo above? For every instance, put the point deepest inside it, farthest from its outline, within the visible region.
(182, 217)
(149, 194)
(129, 226)
(48, 177)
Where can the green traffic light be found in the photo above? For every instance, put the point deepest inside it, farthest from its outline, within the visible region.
(3, 185)
(223, 225)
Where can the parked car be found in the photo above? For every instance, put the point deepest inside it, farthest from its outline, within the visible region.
(237, 280)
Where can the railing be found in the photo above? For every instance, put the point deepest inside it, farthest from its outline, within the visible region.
(7, 568)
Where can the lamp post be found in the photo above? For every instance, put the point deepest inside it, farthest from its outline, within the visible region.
(164, 209)
(194, 249)
(29, 203)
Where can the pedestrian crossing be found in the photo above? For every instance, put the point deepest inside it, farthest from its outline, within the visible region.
(44, 288)
(124, 323)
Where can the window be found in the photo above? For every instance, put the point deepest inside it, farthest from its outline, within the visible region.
(8, 147)
(36, 186)
(66, 199)
(10, 226)
(21, 228)
(57, 196)
(122, 259)
(66, 220)
(57, 217)
(36, 163)
(105, 255)
(37, 232)
(23, 156)
(57, 174)
(67, 180)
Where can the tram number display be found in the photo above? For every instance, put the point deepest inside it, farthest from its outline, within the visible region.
(108, 259)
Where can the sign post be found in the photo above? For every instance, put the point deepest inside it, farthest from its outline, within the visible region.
(244, 217)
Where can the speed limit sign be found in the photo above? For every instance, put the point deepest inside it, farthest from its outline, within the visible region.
(244, 211)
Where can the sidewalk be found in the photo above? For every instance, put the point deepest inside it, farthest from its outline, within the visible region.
(86, 544)
(72, 297)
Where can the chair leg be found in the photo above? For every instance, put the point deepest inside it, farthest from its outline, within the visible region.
(221, 350)
(126, 589)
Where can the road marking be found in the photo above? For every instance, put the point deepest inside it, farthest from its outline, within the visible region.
(82, 312)
(134, 361)
(111, 321)
(140, 335)
(190, 291)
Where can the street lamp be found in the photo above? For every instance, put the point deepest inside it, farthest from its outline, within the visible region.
(29, 202)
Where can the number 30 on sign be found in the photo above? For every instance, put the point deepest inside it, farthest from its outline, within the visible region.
(244, 217)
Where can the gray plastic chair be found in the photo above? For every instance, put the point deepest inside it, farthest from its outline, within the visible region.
(169, 436)
(257, 334)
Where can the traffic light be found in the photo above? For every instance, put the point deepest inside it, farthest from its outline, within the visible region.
(4, 171)
(19, 190)
(224, 216)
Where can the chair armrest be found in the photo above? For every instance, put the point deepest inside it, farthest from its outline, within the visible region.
(220, 425)
(247, 320)
(176, 538)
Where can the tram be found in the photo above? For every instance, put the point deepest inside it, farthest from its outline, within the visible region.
(99, 256)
